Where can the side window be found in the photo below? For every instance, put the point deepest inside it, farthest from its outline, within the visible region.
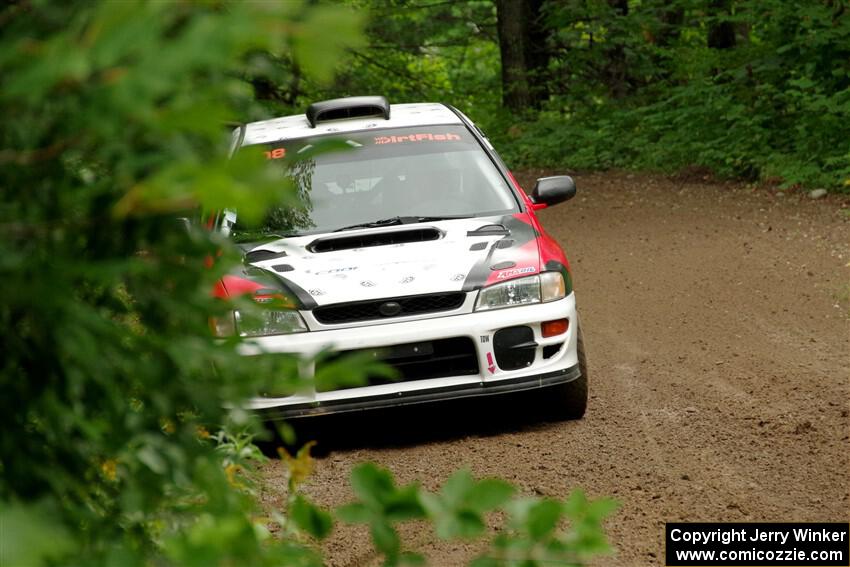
(228, 219)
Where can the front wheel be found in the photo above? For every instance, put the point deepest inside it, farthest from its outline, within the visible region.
(569, 400)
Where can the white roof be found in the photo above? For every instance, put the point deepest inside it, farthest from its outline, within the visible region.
(297, 126)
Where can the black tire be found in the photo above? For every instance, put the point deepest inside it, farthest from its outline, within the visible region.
(569, 401)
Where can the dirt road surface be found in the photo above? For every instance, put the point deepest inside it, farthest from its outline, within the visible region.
(716, 322)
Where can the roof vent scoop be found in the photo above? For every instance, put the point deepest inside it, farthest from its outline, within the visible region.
(351, 107)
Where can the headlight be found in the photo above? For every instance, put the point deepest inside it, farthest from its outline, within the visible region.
(269, 322)
(224, 326)
(263, 323)
(552, 286)
(548, 286)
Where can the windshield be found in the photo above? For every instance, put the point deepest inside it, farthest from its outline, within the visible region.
(406, 173)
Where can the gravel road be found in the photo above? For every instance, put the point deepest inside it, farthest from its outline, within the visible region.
(716, 323)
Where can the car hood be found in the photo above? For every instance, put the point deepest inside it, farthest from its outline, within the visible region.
(374, 263)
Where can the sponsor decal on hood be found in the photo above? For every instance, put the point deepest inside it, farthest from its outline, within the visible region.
(469, 254)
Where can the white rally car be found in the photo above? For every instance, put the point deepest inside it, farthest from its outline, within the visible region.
(414, 244)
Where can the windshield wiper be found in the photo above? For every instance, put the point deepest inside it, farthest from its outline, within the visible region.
(391, 221)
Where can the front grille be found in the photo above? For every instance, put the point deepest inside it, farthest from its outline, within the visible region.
(412, 361)
(370, 310)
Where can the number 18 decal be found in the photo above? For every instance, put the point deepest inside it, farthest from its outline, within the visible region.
(276, 153)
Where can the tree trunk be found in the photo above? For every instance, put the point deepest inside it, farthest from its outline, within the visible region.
(522, 44)
(721, 32)
(670, 19)
(538, 51)
(615, 69)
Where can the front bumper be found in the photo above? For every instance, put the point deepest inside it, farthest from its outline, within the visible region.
(480, 327)
(435, 394)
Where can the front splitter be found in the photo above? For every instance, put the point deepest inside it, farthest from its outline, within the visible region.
(425, 395)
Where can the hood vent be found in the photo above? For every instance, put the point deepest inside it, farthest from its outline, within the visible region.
(333, 244)
(261, 254)
(489, 230)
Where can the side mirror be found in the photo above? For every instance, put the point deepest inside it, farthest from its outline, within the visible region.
(553, 190)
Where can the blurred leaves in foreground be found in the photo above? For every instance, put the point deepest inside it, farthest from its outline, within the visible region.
(114, 118)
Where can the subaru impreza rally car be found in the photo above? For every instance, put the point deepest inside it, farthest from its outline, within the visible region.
(415, 245)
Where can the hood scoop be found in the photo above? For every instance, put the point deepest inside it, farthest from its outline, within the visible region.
(335, 243)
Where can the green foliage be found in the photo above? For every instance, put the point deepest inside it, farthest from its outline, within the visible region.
(776, 107)
(350, 371)
(113, 118)
(381, 505)
(534, 533)
(312, 520)
(427, 51)
(26, 528)
(413, 52)
(457, 510)
(535, 536)
(635, 88)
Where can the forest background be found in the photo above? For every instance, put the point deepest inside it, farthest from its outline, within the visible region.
(746, 89)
